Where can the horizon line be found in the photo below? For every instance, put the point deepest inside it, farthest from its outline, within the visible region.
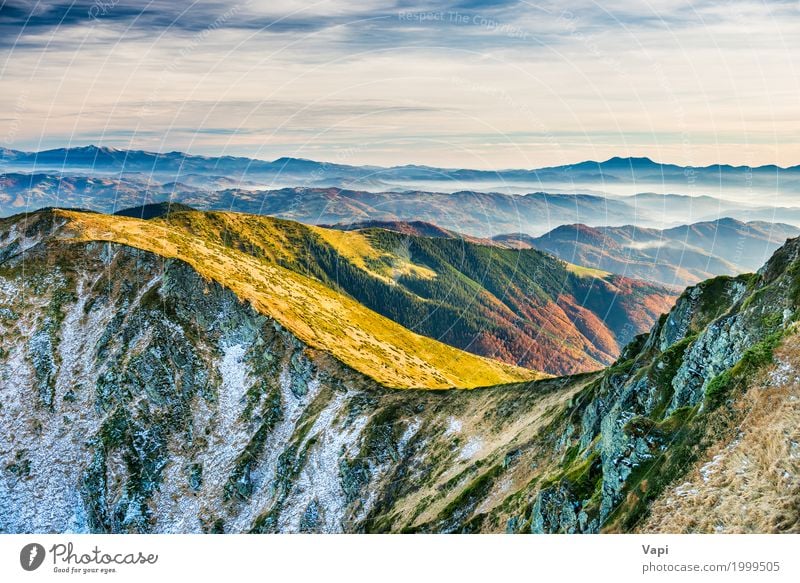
(406, 165)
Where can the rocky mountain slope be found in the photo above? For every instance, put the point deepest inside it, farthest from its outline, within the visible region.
(139, 396)
(676, 397)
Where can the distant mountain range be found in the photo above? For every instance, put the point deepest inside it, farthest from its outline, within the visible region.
(679, 256)
(296, 171)
(478, 214)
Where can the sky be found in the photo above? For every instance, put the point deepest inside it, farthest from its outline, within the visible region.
(469, 83)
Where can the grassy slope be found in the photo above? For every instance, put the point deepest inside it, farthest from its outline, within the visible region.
(748, 482)
(524, 308)
(319, 316)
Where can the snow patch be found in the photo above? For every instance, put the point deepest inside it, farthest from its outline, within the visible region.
(685, 490)
(708, 469)
(320, 478)
(233, 371)
(264, 475)
(472, 447)
(49, 500)
(453, 426)
(784, 374)
(409, 433)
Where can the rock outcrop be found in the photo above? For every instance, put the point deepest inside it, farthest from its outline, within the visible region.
(642, 424)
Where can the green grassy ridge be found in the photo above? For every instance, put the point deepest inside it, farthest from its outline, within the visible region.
(486, 300)
(319, 315)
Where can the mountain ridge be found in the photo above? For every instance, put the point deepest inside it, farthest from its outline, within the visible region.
(612, 162)
(682, 255)
(518, 308)
(283, 299)
(472, 212)
(177, 407)
(523, 308)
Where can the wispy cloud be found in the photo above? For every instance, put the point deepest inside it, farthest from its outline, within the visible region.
(505, 82)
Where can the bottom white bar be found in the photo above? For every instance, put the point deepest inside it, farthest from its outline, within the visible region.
(415, 558)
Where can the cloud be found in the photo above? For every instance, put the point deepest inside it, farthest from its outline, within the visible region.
(517, 83)
(376, 23)
(31, 18)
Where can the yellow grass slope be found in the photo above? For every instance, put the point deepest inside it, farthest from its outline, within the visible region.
(319, 316)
